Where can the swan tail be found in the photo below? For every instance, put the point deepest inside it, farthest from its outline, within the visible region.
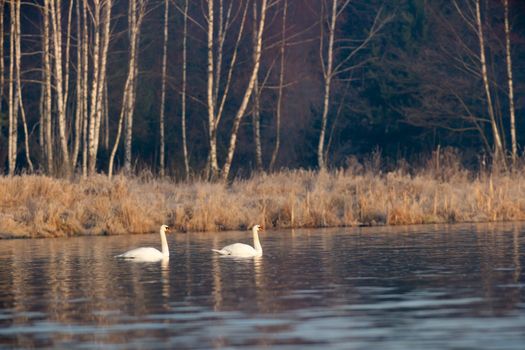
(222, 251)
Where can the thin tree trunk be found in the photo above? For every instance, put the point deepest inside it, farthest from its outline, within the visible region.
(135, 17)
(256, 115)
(106, 115)
(13, 96)
(280, 91)
(212, 127)
(183, 102)
(510, 83)
(48, 126)
(85, 85)
(18, 58)
(498, 147)
(56, 18)
(100, 53)
(79, 113)
(66, 60)
(119, 127)
(242, 108)
(328, 74)
(102, 73)
(162, 145)
(92, 144)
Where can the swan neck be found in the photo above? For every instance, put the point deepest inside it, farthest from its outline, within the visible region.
(256, 243)
(164, 242)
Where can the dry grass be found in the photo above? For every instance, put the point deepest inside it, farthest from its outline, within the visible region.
(39, 206)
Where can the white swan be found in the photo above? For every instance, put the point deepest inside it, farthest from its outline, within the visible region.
(242, 250)
(150, 254)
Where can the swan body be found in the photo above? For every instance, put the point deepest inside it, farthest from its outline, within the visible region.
(241, 250)
(148, 253)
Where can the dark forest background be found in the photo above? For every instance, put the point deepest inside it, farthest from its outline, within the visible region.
(416, 85)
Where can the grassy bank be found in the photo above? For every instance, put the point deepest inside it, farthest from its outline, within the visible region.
(38, 206)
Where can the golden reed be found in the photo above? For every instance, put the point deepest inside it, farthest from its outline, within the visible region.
(40, 206)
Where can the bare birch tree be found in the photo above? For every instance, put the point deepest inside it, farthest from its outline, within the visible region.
(136, 14)
(84, 89)
(61, 98)
(278, 111)
(498, 145)
(47, 92)
(18, 58)
(510, 84)
(13, 91)
(137, 10)
(256, 99)
(183, 94)
(162, 145)
(212, 130)
(100, 53)
(327, 75)
(79, 112)
(331, 69)
(247, 93)
(216, 103)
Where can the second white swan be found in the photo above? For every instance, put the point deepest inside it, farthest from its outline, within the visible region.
(148, 253)
(242, 250)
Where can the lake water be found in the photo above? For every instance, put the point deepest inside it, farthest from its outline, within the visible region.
(410, 287)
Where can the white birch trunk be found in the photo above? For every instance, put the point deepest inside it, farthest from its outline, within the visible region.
(13, 98)
(92, 144)
(328, 74)
(242, 108)
(135, 19)
(280, 91)
(18, 58)
(183, 97)
(79, 112)
(511, 85)
(104, 47)
(212, 127)
(119, 126)
(256, 114)
(56, 18)
(48, 130)
(498, 146)
(162, 145)
(85, 86)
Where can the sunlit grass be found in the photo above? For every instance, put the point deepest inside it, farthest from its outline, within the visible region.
(39, 206)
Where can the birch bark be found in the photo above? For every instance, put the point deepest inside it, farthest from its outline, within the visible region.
(46, 53)
(13, 96)
(163, 92)
(280, 91)
(327, 74)
(256, 96)
(510, 85)
(212, 127)
(498, 146)
(56, 19)
(18, 58)
(242, 108)
(183, 96)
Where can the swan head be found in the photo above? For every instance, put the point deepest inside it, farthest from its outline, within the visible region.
(164, 228)
(257, 229)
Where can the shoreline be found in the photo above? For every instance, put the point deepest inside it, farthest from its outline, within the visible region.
(35, 206)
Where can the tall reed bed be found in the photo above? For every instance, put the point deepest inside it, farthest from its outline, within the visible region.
(39, 206)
